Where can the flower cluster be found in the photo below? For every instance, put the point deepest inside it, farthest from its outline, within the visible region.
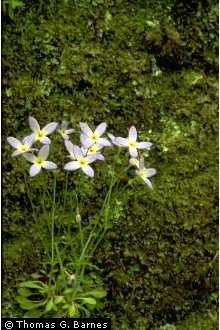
(92, 143)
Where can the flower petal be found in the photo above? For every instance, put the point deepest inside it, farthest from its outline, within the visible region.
(99, 156)
(86, 142)
(133, 152)
(84, 151)
(49, 165)
(85, 128)
(16, 153)
(13, 142)
(70, 130)
(132, 133)
(122, 142)
(69, 146)
(113, 139)
(144, 145)
(65, 136)
(49, 128)
(34, 124)
(91, 158)
(100, 129)
(34, 169)
(44, 152)
(104, 142)
(88, 170)
(45, 140)
(30, 157)
(99, 147)
(77, 151)
(151, 172)
(71, 166)
(29, 140)
(134, 162)
(147, 181)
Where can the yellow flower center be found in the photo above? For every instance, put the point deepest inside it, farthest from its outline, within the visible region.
(64, 131)
(136, 162)
(142, 174)
(83, 162)
(23, 148)
(92, 149)
(94, 137)
(132, 144)
(39, 161)
(39, 135)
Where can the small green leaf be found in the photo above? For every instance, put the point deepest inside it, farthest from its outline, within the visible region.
(33, 285)
(98, 293)
(88, 300)
(58, 299)
(24, 292)
(33, 313)
(73, 311)
(49, 305)
(27, 304)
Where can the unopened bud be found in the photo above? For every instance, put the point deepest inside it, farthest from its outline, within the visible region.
(78, 218)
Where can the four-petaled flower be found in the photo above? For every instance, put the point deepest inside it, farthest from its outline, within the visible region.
(131, 142)
(89, 138)
(41, 134)
(65, 131)
(21, 146)
(40, 161)
(145, 173)
(82, 161)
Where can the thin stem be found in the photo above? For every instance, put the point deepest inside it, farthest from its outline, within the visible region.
(58, 256)
(106, 201)
(81, 234)
(29, 197)
(82, 256)
(78, 220)
(52, 226)
(65, 191)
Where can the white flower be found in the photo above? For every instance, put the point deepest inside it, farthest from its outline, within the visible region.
(65, 131)
(82, 161)
(41, 134)
(131, 142)
(40, 161)
(89, 138)
(144, 173)
(21, 146)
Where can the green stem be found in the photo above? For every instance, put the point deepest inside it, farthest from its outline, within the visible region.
(65, 191)
(82, 257)
(52, 227)
(29, 197)
(78, 220)
(58, 256)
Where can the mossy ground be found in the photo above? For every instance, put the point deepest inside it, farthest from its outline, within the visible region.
(152, 64)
